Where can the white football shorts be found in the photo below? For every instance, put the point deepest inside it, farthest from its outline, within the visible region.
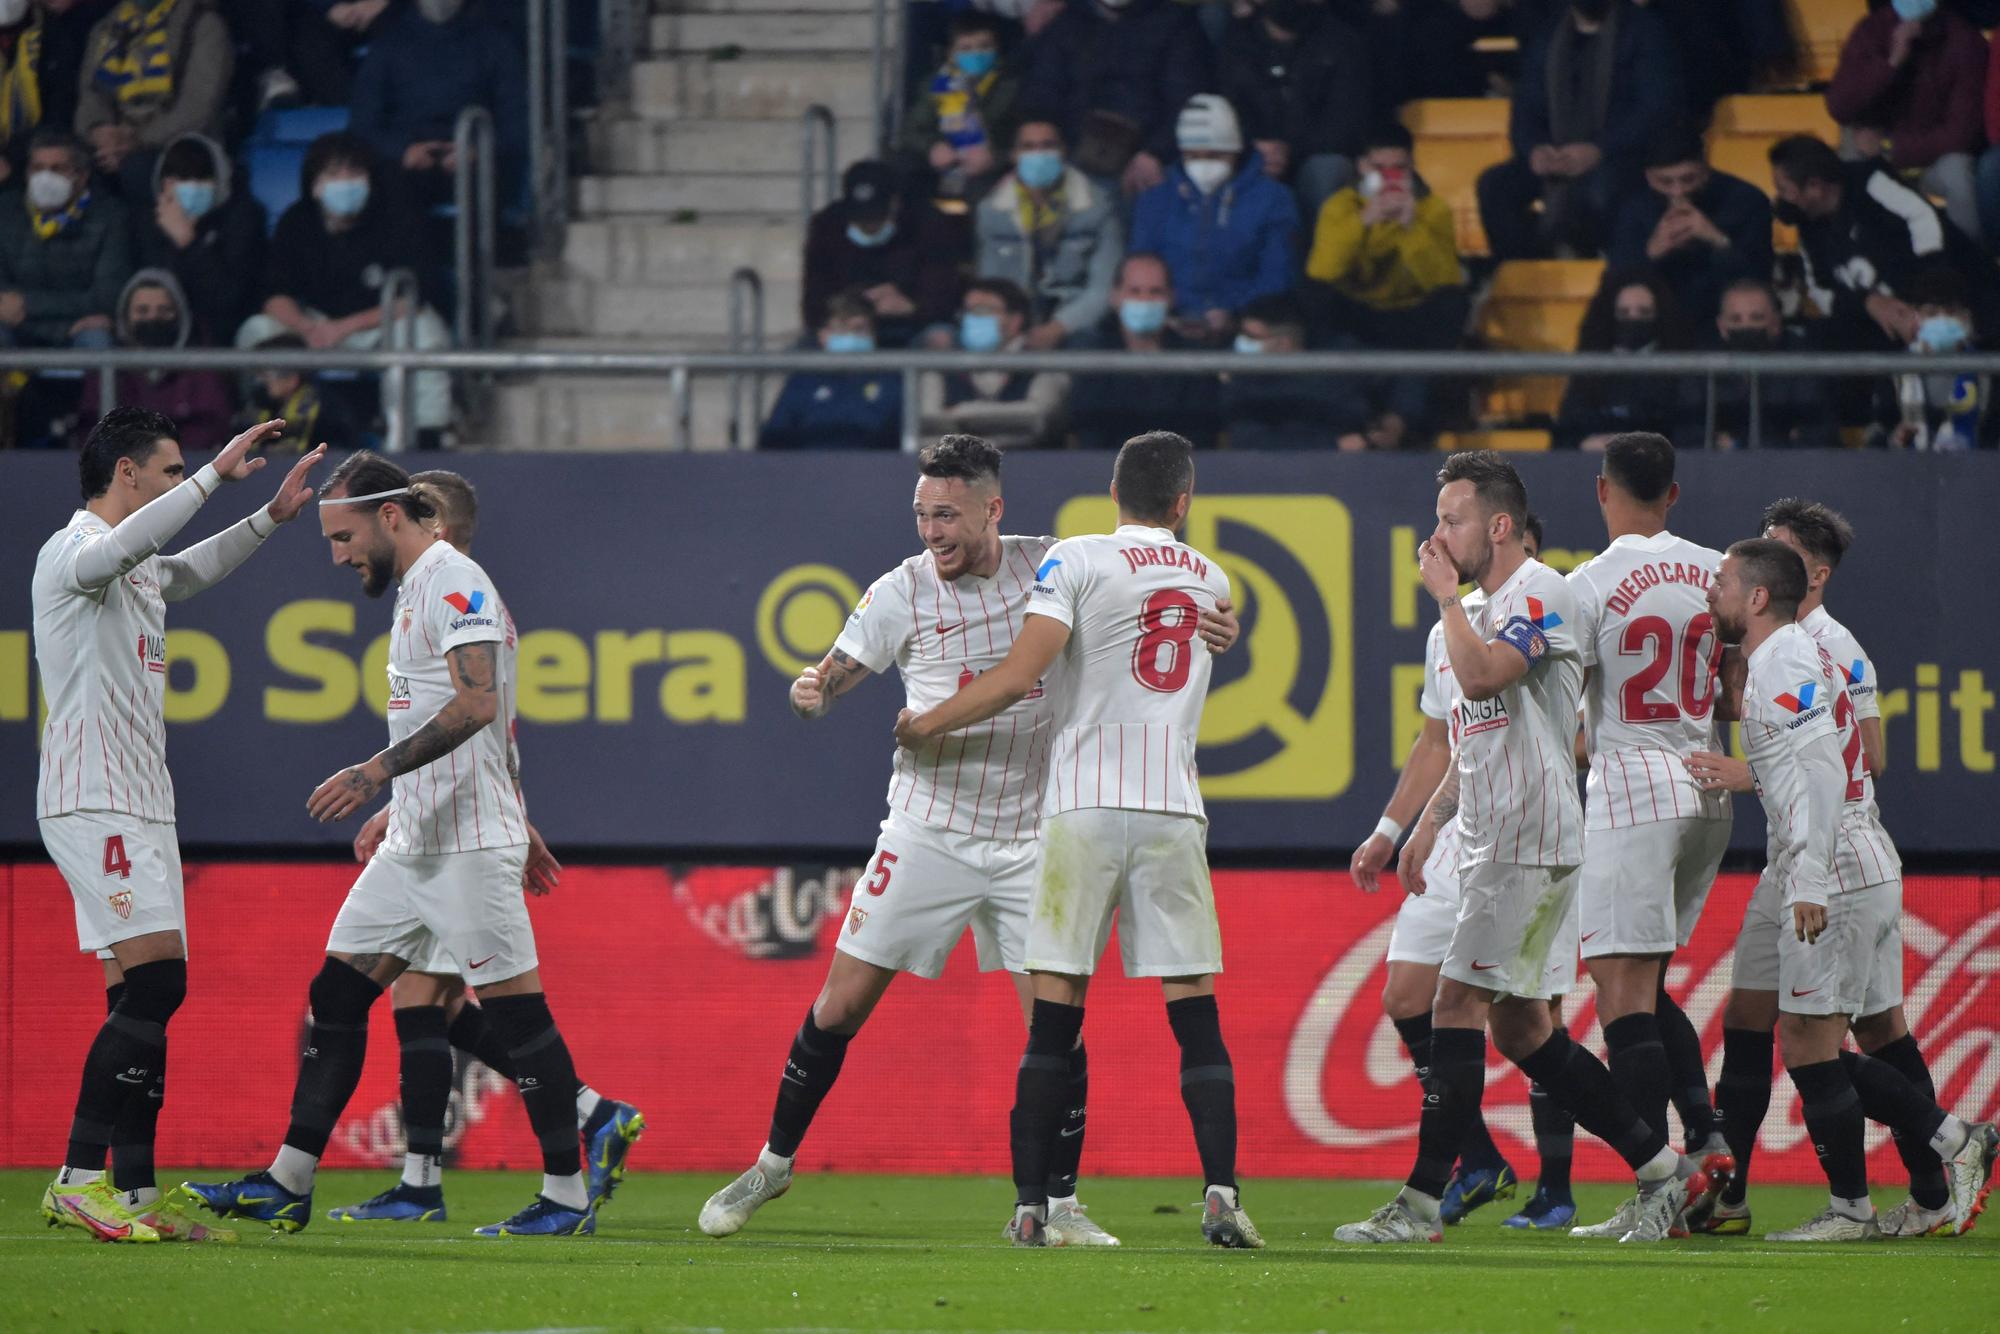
(1644, 885)
(1854, 968)
(124, 874)
(923, 887)
(465, 905)
(1147, 868)
(1424, 922)
(1517, 930)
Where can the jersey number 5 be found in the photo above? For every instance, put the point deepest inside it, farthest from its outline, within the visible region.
(885, 860)
(1162, 659)
(115, 861)
(1699, 651)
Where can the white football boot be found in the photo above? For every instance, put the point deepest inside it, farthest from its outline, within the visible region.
(1831, 1226)
(1614, 1227)
(1394, 1222)
(1910, 1219)
(1970, 1172)
(730, 1208)
(1071, 1225)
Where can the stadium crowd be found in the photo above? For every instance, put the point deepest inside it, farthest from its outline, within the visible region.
(1148, 175)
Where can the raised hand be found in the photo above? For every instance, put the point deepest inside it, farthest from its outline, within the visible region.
(235, 463)
(296, 489)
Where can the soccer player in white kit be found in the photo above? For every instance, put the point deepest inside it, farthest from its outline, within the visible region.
(450, 869)
(1865, 855)
(960, 845)
(1125, 831)
(1653, 838)
(1421, 938)
(105, 802)
(1516, 681)
(432, 1012)
(1809, 936)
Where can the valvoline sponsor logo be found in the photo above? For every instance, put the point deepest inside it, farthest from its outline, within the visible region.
(467, 604)
(1800, 699)
(1542, 618)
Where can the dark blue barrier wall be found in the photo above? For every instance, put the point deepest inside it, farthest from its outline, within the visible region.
(666, 602)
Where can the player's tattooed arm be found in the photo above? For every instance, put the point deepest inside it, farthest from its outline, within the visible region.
(470, 710)
(818, 687)
(1438, 812)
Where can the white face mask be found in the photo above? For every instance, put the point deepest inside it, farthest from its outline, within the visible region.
(1208, 174)
(12, 12)
(440, 11)
(49, 190)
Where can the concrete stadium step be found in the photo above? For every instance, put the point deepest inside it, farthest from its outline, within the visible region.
(762, 6)
(626, 145)
(572, 304)
(703, 192)
(820, 30)
(696, 88)
(590, 412)
(659, 253)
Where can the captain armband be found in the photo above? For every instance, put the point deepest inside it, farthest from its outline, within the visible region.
(1521, 635)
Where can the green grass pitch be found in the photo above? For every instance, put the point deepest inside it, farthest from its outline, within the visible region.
(923, 1253)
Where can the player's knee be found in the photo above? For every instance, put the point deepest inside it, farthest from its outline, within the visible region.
(341, 995)
(1750, 1010)
(153, 991)
(1872, 1032)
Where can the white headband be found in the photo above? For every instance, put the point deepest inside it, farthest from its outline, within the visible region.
(356, 500)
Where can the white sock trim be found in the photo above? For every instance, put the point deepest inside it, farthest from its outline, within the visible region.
(78, 1176)
(1663, 1166)
(422, 1169)
(294, 1168)
(566, 1190)
(1950, 1137)
(587, 1100)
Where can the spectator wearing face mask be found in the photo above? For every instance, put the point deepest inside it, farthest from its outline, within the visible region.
(153, 316)
(835, 409)
(1228, 232)
(329, 257)
(1938, 410)
(41, 51)
(1107, 410)
(1911, 86)
(956, 133)
(1793, 412)
(311, 415)
(1702, 229)
(904, 259)
(153, 71)
(1054, 233)
(1287, 411)
(1013, 409)
(1594, 89)
(1302, 78)
(208, 234)
(65, 251)
(1632, 314)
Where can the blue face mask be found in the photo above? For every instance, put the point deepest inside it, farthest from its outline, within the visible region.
(978, 332)
(1245, 343)
(869, 240)
(1914, 11)
(1142, 317)
(344, 196)
(195, 197)
(976, 64)
(850, 342)
(1039, 168)
(1941, 333)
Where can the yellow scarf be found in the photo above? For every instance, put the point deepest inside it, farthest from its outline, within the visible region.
(46, 225)
(20, 89)
(138, 65)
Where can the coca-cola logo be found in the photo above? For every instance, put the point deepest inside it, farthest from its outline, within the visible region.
(776, 915)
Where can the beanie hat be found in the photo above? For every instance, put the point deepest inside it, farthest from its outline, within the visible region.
(1208, 122)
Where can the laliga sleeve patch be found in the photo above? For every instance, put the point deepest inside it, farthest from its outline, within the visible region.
(1520, 633)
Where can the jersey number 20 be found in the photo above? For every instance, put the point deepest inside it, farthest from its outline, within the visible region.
(1698, 648)
(1162, 659)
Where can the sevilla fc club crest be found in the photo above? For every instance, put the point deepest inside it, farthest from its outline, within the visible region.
(406, 620)
(121, 903)
(855, 917)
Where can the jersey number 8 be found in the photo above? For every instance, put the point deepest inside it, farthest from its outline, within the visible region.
(1162, 659)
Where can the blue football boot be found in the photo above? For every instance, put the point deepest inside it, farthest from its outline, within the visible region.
(1543, 1214)
(257, 1197)
(401, 1203)
(544, 1218)
(610, 1142)
(1473, 1186)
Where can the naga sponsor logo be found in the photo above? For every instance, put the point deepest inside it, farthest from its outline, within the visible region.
(399, 691)
(966, 676)
(1474, 716)
(1654, 574)
(153, 652)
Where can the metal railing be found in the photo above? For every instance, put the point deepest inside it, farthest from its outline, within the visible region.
(817, 130)
(746, 337)
(548, 119)
(474, 198)
(885, 72)
(617, 47)
(679, 368)
(400, 302)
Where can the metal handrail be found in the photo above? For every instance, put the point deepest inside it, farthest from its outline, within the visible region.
(885, 72)
(548, 118)
(472, 228)
(400, 300)
(817, 127)
(617, 48)
(746, 302)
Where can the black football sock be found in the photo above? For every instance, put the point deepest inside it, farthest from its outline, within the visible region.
(1208, 1085)
(1742, 1096)
(1927, 1183)
(545, 1075)
(1555, 1141)
(152, 992)
(1451, 1104)
(469, 1031)
(1836, 1124)
(1580, 1083)
(1041, 1097)
(336, 1050)
(1066, 1158)
(426, 1078)
(1888, 1097)
(1687, 1072)
(125, 1057)
(810, 1069)
(1638, 1063)
(1416, 1035)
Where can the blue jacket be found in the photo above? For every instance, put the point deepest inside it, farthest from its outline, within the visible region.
(1222, 250)
(418, 75)
(836, 410)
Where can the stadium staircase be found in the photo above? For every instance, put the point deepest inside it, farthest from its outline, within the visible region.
(698, 174)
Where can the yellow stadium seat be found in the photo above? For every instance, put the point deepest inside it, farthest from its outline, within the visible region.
(1535, 305)
(1457, 139)
(1519, 442)
(1820, 28)
(1740, 139)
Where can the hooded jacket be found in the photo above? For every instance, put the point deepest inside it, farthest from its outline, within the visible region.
(222, 269)
(1225, 249)
(203, 60)
(198, 402)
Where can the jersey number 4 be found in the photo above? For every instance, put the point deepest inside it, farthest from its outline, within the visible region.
(1698, 649)
(1162, 659)
(115, 861)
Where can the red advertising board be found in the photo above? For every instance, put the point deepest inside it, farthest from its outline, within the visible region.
(679, 990)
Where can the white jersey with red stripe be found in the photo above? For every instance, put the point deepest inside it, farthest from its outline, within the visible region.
(1436, 702)
(464, 800)
(1517, 799)
(1866, 855)
(1135, 676)
(985, 780)
(1645, 632)
(1793, 704)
